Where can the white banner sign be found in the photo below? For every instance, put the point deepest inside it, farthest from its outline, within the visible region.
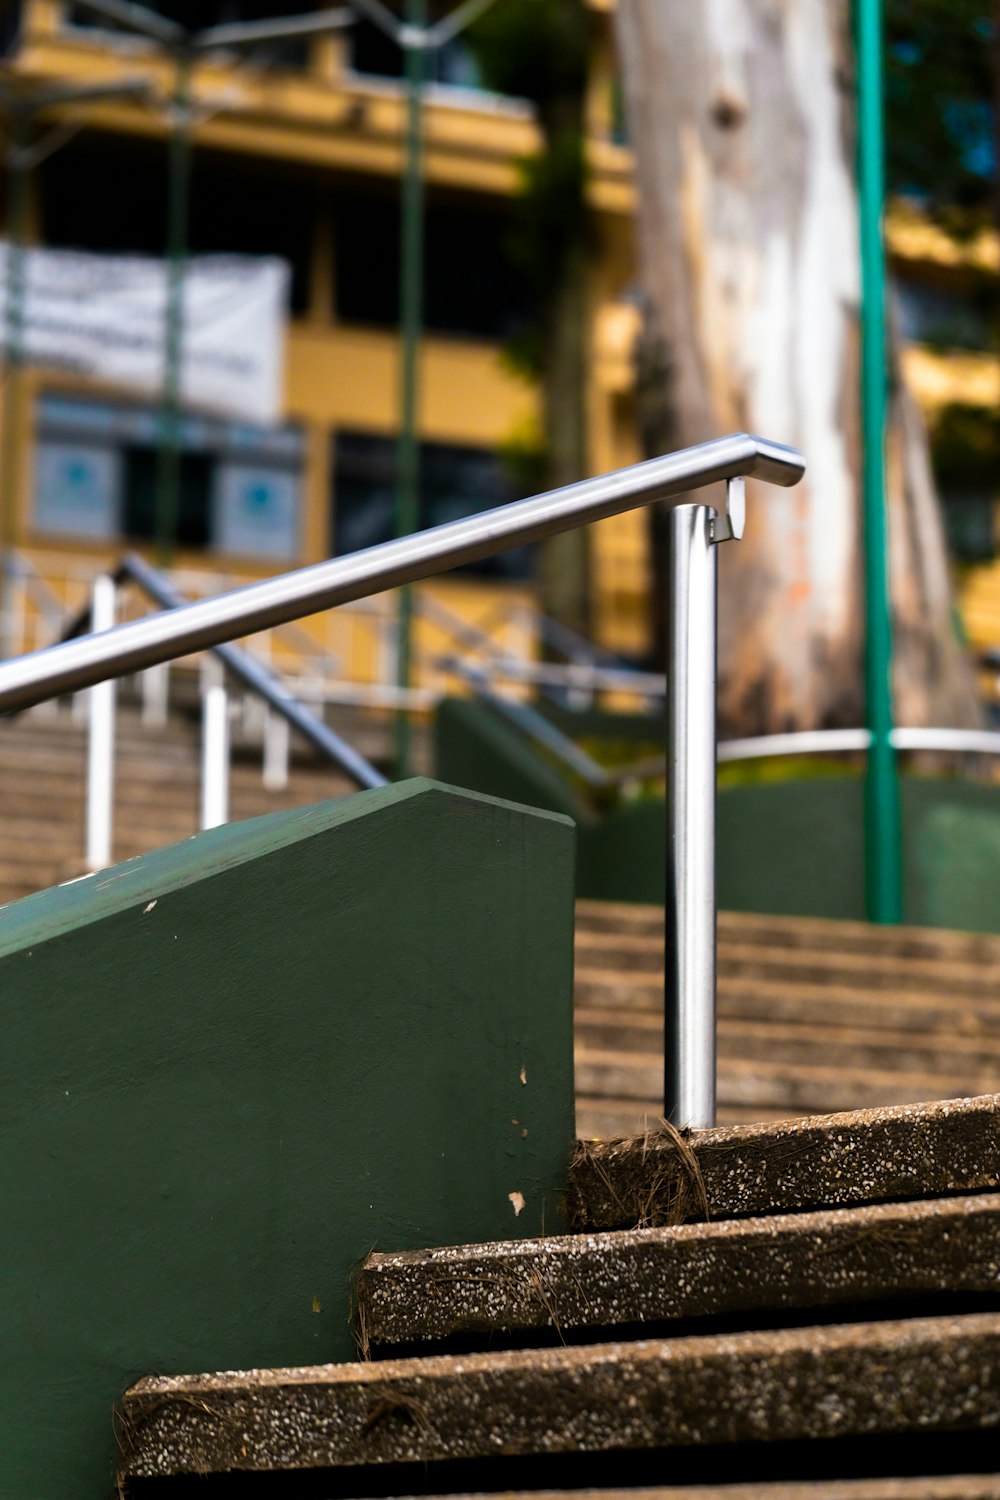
(105, 316)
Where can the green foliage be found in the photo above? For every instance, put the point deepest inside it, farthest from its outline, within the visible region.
(549, 226)
(538, 50)
(940, 102)
(966, 447)
(523, 456)
(534, 49)
(780, 768)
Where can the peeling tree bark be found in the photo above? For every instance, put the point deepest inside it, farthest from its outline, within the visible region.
(741, 115)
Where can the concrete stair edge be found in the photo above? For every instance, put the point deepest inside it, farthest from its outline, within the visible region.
(812, 1383)
(877, 1254)
(895, 1153)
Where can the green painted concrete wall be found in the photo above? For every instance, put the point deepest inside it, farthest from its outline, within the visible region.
(798, 847)
(785, 847)
(233, 1067)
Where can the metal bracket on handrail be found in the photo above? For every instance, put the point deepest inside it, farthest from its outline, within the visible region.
(729, 526)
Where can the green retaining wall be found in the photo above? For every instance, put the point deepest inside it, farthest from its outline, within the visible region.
(233, 1067)
(784, 847)
(798, 847)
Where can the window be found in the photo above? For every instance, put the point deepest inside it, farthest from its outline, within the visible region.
(470, 287)
(454, 482)
(138, 520)
(109, 198)
(965, 447)
(943, 317)
(96, 476)
(195, 15)
(969, 526)
(372, 52)
(11, 16)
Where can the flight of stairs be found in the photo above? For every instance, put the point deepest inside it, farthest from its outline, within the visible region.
(814, 1015)
(811, 1309)
(43, 774)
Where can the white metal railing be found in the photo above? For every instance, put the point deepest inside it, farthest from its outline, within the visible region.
(280, 707)
(559, 744)
(694, 532)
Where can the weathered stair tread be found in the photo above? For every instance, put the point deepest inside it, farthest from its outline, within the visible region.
(602, 1119)
(797, 1087)
(848, 1380)
(43, 786)
(640, 997)
(826, 1161)
(934, 1487)
(814, 933)
(643, 955)
(800, 1261)
(817, 1043)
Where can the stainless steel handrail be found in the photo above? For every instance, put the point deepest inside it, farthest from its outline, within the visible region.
(689, 1009)
(209, 622)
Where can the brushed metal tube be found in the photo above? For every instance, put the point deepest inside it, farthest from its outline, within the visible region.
(215, 756)
(260, 679)
(689, 988)
(101, 741)
(209, 622)
(276, 751)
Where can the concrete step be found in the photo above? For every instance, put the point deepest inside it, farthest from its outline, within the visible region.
(859, 1020)
(843, 1160)
(809, 1040)
(609, 1118)
(158, 814)
(932, 1487)
(845, 1382)
(880, 1254)
(810, 1037)
(795, 1088)
(816, 934)
(778, 1000)
(639, 954)
(826, 934)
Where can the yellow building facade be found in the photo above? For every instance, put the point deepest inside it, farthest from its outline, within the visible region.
(303, 156)
(946, 288)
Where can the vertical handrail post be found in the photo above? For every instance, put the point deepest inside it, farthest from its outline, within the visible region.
(156, 695)
(101, 740)
(689, 991)
(214, 755)
(276, 752)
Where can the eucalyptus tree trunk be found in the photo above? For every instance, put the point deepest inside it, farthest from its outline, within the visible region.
(741, 117)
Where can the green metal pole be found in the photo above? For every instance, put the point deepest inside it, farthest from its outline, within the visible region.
(168, 469)
(883, 861)
(411, 299)
(17, 234)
